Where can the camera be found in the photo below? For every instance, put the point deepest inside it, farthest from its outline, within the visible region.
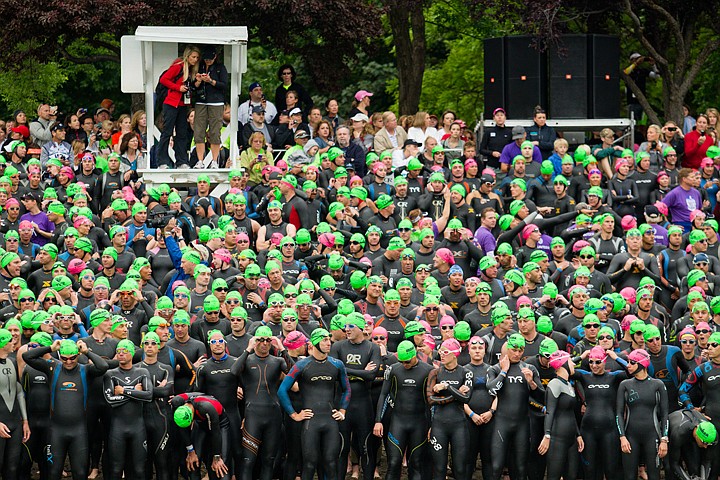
(161, 219)
(653, 144)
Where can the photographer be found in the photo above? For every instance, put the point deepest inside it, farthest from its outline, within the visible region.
(654, 146)
(178, 81)
(639, 75)
(210, 83)
(697, 142)
(674, 137)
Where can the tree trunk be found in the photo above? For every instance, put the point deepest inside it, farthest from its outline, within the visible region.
(407, 22)
(137, 102)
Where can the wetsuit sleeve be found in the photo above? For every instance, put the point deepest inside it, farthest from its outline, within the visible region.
(20, 400)
(237, 368)
(384, 395)
(144, 395)
(551, 402)
(286, 385)
(213, 425)
(663, 410)
(200, 378)
(34, 359)
(620, 410)
(99, 365)
(109, 392)
(495, 381)
(330, 304)
(344, 385)
(173, 250)
(168, 389)
(692, 379)
(539, 392)
(187, 369)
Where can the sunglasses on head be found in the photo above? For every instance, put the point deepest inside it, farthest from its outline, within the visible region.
(277, 304)
(632, 362)
(232, 302)
(217, 341)
(379, 337)
(350, 326)
(222, 289)
(150, 343)
(308, 292)
(181, 295)
(605, 337)
(592, 325)
(404, 229)
(714, 344)
(237, 319)
(432, 309)
(289, 245)
(27, 299)
(653, 340)
(63, 358)
(291, 295)
(50, 299)
(242, 240)
(264, 340)
(126, 294)
(702, 331)
(446, 327)
(586, 257)
(688, 342)
(595, 362)
(354, 243)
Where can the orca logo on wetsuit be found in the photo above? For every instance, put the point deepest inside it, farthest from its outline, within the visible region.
(409, 381)
(321, 377)
(598, 386)
(713, 377)
(215, 372)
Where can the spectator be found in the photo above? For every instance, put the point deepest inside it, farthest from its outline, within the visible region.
(421, 128)
(40, 128)
(57, 147)
(361, 104)
(540, 134)
(495, 138)
(210, 85)
(287, 75)
(697, 142)
(257, 98)
(390, 136)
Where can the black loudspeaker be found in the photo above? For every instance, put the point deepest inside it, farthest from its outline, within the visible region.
(526, 77)
(580, 77)
(569, 78)
(604, 76)
(494, 60)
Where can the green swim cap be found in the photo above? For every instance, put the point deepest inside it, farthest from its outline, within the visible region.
(98, 316)
(42, 338)
(337, 322)
(152, 336)
(5, 337)
(183, 416)
(68, 348)
(406, 351)
(127, 345)
(413, 328)
(544, 325)
(318, 335)
(516, 341)
(548, 347)
(499, 313)
(706, 432)
(263, 332)
(650, 332)
(462, 331)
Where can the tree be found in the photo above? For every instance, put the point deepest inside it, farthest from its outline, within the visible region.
(407, 23)
(673, 33)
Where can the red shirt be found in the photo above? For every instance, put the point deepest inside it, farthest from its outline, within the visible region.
(174, 97)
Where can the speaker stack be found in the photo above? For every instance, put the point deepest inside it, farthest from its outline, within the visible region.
(578, 78)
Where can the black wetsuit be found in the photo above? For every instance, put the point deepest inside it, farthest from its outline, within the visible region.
(642, 417)
(402, 398)
(36, 386)
(318, 381)
(69, 391)
(127, 426)
(215, 378)
(560, 424)
(510, 424)
(98, 410)
(360, 414)
(157, 418)
(707, 377)
(210, 435)
(480, 435)
(261, 377)
(602, 444)
(449, 425)
(684, 448)
(12, 413)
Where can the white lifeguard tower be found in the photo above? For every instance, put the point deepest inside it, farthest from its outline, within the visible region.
(145, 55)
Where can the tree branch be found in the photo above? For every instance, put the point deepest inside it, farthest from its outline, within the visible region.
(677, 30)
(640, 97)
(103, 44)
(641, 36)
(699, 63)
(88, 60)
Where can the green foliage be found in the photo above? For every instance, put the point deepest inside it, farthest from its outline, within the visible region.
(456, 84)
(26, 85)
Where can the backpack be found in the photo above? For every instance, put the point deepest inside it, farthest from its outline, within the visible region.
(161, 90)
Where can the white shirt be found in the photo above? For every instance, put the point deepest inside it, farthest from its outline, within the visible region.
(419, 136)
(245, 111)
